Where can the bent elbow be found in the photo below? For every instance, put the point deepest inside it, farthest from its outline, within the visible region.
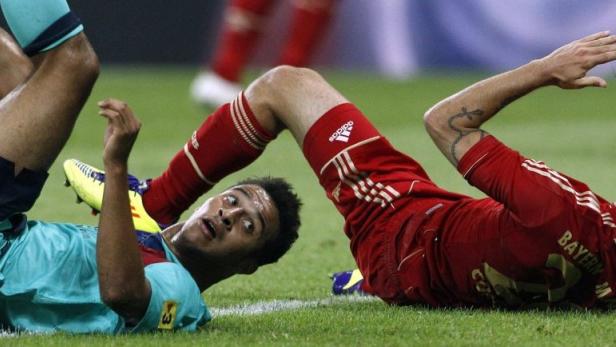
(433, 121)
(131, 307)
(118, 299)
(114, 298)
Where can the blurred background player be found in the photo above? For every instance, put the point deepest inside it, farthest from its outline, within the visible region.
(244, 23)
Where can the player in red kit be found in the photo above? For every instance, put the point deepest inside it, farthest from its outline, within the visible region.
(244, 22)
(539, 237)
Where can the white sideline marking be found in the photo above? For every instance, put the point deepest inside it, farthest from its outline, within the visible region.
(10, 334)
(264, 307)
(258, 308)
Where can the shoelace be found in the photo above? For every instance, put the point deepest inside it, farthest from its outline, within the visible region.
(134, 184)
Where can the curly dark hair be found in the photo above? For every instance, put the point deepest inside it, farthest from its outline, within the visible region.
(288, 205)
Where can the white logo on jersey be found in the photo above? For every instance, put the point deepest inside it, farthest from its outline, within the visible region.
(336, 192)
(194, 141)
(343, 133)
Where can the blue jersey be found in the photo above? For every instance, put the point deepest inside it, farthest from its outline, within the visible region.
(49, 282)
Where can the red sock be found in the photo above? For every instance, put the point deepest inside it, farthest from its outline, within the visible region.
(244, 22)
(227, 141)
(309, 25)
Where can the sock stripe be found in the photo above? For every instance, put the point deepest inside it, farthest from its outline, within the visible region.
(239, 128)
(195, 166)
(240, 120)
(259, 133)
(245, 121)
(57, 31)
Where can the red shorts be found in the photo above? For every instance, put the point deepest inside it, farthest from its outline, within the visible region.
(540, 237)
(376, 188)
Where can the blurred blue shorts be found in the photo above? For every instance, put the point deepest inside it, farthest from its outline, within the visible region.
(18, 193)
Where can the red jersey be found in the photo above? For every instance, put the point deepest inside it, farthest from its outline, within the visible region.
(541, 237)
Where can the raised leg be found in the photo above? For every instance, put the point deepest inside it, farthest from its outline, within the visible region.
(15, 67)
(231, 138)
(293, 98)
(38, 117)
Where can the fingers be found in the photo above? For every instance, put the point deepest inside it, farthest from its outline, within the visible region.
(601, 46)
(605, 57)
(109, 114)
(603, 49)
(114, 104)
(596, 49)
(605, 40)
(118, 111)
(595, 36)
(122, 130)
(602, 54)
(589, 81)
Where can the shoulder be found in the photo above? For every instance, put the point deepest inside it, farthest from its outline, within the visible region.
(170, 273)
(176, 301)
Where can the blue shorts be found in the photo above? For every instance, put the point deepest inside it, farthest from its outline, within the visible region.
(18, 193)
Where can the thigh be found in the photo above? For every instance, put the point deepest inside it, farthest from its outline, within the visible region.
(15, 67)
(38, 116)
(361, 172)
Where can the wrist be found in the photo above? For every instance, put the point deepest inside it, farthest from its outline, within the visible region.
(542, 73)
(115, 167)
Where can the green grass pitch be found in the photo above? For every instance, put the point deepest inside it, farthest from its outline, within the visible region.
(571, 130)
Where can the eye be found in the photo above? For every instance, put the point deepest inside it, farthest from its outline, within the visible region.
(231, 200)
(249, 226)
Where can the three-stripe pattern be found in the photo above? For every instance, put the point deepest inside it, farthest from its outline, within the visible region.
(602, 290)
(608, 220)
(363, 187)
(244, 126)
(587, 198)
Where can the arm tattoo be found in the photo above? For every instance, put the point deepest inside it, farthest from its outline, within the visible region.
(462, 133)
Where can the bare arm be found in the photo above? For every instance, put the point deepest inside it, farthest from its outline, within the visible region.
(122, 281)
(454, 123)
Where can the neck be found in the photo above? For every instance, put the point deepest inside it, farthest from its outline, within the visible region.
(204, 272)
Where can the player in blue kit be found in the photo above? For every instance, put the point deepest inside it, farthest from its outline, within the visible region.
(74, 278)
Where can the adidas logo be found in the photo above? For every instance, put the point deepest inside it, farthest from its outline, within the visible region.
(194, 141)
(343, 133)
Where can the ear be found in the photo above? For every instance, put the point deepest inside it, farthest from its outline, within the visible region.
(248, 266)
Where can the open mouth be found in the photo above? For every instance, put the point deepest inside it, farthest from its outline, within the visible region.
(209, 226)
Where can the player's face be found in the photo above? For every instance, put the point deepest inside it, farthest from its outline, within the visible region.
(230, 226)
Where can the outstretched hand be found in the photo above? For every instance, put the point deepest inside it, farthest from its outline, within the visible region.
(121, 133)
(569, 64)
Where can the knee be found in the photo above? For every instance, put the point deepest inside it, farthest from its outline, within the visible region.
(287, 96)
(87, 60)
(285, 77)
(281, 84)
(269, 94)
(79, 59)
